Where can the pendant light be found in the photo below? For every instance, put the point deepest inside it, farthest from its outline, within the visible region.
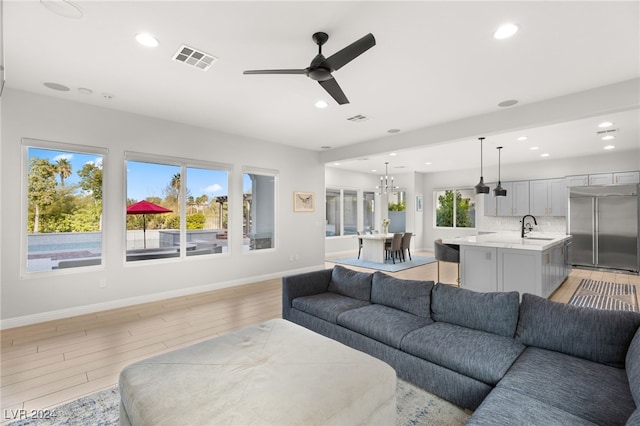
(384, 187)
(481, 188)
(499, 191)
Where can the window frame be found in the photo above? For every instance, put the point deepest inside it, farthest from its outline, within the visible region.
(28, 143)
(183, 164)
(435, 208)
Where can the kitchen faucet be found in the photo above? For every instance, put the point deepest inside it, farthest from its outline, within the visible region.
(528, 227)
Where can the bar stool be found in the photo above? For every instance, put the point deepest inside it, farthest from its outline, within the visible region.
(447, 253)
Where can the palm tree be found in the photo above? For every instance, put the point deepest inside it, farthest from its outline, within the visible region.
(64, 169)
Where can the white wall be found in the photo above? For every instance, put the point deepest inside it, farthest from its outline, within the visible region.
(58, 294)
(607, 162)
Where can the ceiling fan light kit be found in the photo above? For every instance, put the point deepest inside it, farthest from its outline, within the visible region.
(321, 68)
(481, 188)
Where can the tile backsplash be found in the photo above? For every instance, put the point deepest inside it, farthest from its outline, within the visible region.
(507, 223)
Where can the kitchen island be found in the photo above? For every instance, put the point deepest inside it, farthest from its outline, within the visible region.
(503, 261)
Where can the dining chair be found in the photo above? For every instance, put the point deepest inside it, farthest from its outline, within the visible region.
(359, 244)
(406, 241)
(394, 249)
(447, 253)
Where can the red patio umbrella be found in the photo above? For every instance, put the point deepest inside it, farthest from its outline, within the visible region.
(144, 207)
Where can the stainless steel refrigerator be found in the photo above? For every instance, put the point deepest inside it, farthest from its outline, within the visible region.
(604, 223)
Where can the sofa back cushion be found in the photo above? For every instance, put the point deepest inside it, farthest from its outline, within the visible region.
(597, 335)
(348, 282)
(632, 365)
(491, 312)
(407, 295)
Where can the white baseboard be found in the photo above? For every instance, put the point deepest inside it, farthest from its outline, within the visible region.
(122, 303)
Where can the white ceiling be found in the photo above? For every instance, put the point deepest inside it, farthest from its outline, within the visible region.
(434, 63)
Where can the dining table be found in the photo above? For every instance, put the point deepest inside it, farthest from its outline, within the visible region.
(373, 246)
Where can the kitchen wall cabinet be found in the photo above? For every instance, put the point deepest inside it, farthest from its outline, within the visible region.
(618, 178)
(490, 202)
(548, 197)
(626, 177)
(516, 203)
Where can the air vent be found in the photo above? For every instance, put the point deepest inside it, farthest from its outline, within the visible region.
(358, 118)
(607, 132)
(194, 57)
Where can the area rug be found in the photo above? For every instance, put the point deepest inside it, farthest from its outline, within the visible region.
(605, 295)
(387, 266)
(416, 407)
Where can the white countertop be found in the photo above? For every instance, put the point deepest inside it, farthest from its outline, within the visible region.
(538, 241)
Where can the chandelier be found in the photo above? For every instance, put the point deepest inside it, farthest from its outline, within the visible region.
(384, 187)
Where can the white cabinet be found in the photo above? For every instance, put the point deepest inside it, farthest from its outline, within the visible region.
(618, 178)
(548, 197)
(601, 179)
(489, 269)
(516, 203)
(490, 204)
(626, 177)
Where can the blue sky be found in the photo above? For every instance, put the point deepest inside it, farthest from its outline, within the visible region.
(148, 179)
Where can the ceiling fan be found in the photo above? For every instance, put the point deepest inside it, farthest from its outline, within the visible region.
(321, 68)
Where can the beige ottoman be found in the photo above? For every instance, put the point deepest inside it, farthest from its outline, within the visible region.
(275, 373)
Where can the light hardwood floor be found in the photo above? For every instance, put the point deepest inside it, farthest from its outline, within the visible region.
(48, 364)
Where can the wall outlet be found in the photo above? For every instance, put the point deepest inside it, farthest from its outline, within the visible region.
(102, 283)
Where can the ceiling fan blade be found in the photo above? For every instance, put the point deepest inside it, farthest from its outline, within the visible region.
(349, 53)
(332, 87)
(303, 71)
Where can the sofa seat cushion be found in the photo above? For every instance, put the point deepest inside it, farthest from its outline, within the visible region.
(477, 354)
(632, 365)
(408, 295)
(327, 306)
(503, 407)
(382, 323)
(596, 392)
(597, 335)
(495, 312)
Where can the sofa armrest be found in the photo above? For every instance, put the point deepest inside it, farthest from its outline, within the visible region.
(307, 284)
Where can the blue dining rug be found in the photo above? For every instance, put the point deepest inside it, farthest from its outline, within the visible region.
(387, 266)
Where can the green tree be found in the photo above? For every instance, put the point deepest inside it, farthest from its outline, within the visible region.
(64, 169)
(91, 183)
(445, 210)
(41, 187)
(196, 221)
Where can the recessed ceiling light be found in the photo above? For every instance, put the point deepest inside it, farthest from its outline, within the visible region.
(373, 170)
(321, 104)
(325, 147)
(336, 164)
(608, 137)
(508, 103)
(609, 147)
(533, 148)
(56, 86)
(544, 155)
(85, 91)
(522, 138)
(147, 40)
(605, 124)
(63, 8)
(393, 131)
(505, 31)
(428, 163)
(393, 154)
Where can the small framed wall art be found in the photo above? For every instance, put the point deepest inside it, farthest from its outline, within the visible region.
(303, 202)
(419, 203)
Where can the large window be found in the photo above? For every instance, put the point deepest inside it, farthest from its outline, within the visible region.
(259, 209)
(344, 212)
(369, 212)
(333, 216)
(350, 208)
(455, 208)
(64, 206)
(175, 208)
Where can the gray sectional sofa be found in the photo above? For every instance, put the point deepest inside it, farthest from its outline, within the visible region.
(533, 362)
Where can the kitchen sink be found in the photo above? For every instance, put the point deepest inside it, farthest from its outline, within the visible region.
(539, 238)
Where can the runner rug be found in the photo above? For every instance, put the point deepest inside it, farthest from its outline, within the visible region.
(605, 295)
(415, 406)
